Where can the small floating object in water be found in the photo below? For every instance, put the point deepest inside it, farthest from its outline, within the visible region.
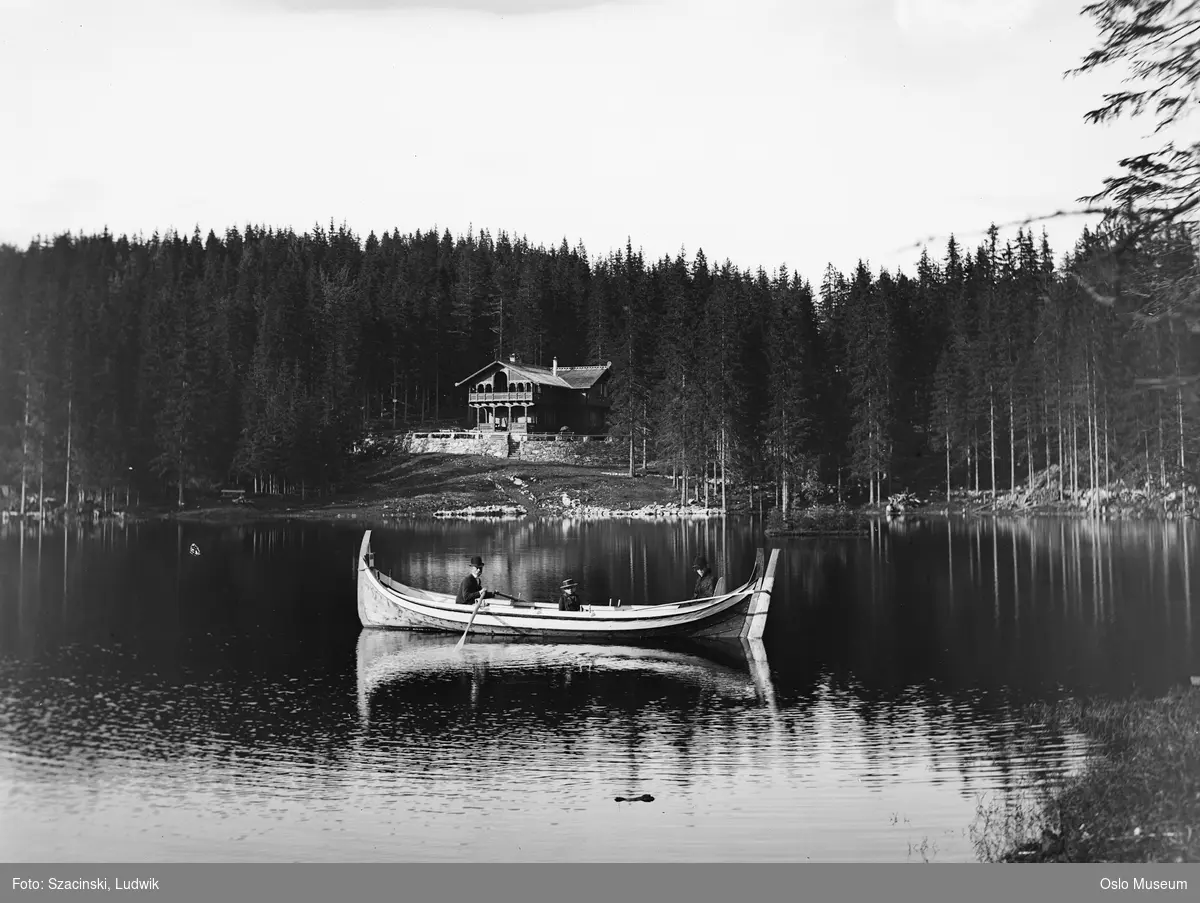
(644, 798)
(194, 549)
(1196, 680)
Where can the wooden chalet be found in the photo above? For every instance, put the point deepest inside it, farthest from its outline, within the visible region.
(521, 398)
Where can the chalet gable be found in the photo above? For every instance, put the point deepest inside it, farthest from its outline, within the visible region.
(561, 377)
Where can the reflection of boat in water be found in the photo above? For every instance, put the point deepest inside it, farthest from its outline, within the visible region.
(736, 669)
(741, 613)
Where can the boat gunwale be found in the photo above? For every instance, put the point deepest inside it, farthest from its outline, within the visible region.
(444, 601)
(643, 613)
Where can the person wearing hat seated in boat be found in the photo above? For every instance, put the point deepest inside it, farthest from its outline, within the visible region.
(706, 582)
(568, 601)
(471, 589)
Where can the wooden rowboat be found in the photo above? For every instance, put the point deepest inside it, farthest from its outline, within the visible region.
(740, 613)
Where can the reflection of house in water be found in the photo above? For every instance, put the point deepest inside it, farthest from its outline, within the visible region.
(523, 398)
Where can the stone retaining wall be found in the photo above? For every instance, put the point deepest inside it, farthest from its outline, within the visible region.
(473, 445)
(501, 445)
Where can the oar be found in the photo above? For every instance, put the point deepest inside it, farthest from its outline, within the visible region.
(500, 595)
(463, 638)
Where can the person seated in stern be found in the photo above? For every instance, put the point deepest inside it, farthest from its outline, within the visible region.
(706, 582)
(568, 601)
(471, 589)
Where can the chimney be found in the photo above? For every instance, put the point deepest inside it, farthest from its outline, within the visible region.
(554, 366)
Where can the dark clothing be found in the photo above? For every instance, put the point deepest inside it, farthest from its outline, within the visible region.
(469, 590)
(706, 586)
(568, 602)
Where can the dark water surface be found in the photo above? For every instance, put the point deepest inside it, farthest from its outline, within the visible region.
(156, 705)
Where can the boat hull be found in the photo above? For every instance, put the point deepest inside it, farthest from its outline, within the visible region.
(742, 613)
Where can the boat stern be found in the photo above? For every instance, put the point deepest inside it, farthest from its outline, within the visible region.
(760, 600)
(362, 579)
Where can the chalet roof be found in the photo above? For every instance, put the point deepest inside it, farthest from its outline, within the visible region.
(565, 377)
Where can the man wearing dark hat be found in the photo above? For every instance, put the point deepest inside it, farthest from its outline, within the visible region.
(471, 589)
(568, 601)
(706, 584)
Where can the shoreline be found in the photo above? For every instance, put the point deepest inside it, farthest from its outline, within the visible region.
(285, 508)
(290, 508)
(453, 486)
(1136, 799)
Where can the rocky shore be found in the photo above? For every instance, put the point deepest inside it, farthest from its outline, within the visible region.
(1120, 500)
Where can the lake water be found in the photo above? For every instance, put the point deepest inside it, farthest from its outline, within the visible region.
(157, 705)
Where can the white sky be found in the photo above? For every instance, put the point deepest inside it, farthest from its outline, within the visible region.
(768, 132)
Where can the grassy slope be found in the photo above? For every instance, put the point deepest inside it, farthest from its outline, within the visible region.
(422, 484)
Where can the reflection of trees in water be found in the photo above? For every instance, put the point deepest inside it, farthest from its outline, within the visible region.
(816, 569)
(981, 745)
(46, 571)
(931, 635)
(1029, 604)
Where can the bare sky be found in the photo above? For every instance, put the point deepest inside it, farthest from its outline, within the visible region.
(768, 132)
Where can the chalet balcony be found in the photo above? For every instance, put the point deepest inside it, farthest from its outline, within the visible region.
(477, 397)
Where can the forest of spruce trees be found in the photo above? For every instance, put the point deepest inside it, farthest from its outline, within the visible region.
(261, 357)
